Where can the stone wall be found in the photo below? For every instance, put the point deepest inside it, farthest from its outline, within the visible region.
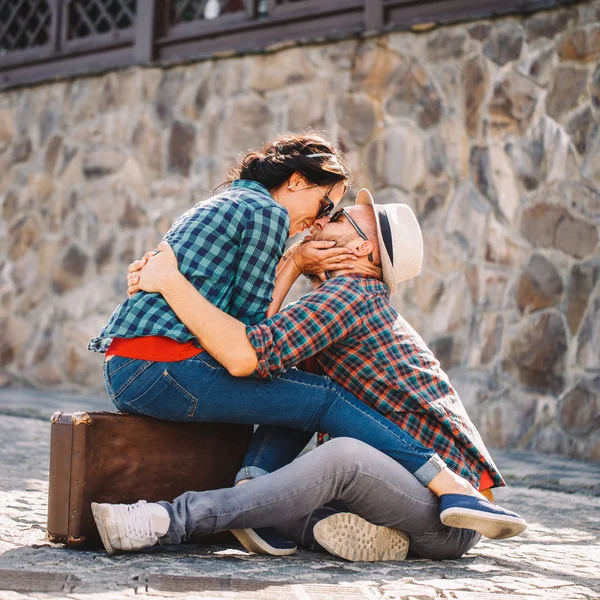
(490, 130)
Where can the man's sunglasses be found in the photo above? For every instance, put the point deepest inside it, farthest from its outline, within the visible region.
(342, 212)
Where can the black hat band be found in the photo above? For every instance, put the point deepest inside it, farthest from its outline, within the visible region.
(386, 232)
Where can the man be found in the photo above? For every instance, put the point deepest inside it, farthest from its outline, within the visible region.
(360, 342)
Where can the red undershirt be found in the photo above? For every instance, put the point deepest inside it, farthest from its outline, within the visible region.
(153, 347)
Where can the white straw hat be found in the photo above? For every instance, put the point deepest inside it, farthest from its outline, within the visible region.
(400, 240)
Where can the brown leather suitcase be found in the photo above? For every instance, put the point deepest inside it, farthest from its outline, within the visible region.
(120, 458)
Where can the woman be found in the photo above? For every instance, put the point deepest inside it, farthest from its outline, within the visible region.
(229, 246)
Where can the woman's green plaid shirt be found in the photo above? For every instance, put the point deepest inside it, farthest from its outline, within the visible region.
(228, 247)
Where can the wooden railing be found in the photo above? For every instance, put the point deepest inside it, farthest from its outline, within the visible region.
(45, 39)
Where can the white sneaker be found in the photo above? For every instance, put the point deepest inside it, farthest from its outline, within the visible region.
(125, 527)
(351, 537)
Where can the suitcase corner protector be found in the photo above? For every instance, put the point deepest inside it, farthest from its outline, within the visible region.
(71, 541)
(55, 417)
(81, 418)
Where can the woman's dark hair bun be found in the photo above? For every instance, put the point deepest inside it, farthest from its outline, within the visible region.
(310, 154)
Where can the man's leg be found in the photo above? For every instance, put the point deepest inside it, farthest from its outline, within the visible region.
(369, 483)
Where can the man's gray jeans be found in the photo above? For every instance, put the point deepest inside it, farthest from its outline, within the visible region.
(368, 482)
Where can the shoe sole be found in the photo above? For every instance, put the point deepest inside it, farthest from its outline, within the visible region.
(495, 527)
(351, 537)
(101, 516)
(254, 543)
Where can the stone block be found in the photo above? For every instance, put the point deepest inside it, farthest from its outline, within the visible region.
(540, 285)
(358, 117)
(8, 128)
(513, 102)
(504, 43)
(581, 43)
(502, 247)
(582, 128)
(454, 310)
(307, 106)
(23, 236)
(579, 408)
(467, 219)
(376, 66)
(504, 181)
(22, 149)
(489, 329)
(456, 141)
(10, 205)
(48, 120)
(480, 31)
(134, 215)
(167, 92)
(53, 154)
(494, 284)
(568, 87)
(443, 254)
(548, 25)
(435, 155)
(587, 345)
(397, 158)
(476, 83)
(415, 94)
(576, 237)
(181, 145)
(427, 291)
(539, 65)
(69, 273)
(102, 162)
(40, 189)
(146, 141)
(248, 123)
(594, 88)
(448, 350)
(535, 353)
(446, 44)
(552, 226)
(559, 155)
(277, 70)
(527, 157)
(583, 197)
(591, 165)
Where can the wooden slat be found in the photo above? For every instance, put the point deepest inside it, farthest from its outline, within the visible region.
(152, 39)
(145, 32)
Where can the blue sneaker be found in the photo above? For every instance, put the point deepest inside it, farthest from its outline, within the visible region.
(471, 512)
(264, 541)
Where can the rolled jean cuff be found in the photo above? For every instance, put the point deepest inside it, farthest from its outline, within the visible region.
(429, 470)
(172, 536)
(249, 473)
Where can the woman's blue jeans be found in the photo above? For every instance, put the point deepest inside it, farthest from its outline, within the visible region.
(200, 389)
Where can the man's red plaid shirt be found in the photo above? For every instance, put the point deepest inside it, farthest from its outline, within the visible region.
(362, 343)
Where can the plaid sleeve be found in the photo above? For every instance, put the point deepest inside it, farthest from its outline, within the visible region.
(260, 248)
(304, 328)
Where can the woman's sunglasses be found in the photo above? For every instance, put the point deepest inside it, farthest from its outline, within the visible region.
(326, 205)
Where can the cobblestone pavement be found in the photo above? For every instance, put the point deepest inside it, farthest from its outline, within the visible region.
(557, 557)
